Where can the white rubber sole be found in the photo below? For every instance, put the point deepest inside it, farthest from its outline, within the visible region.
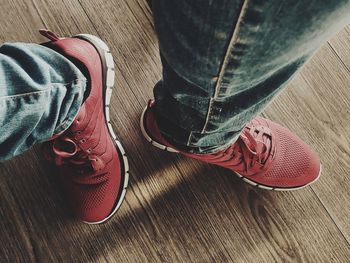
(149, 139)
(169, 149)
(108, 64)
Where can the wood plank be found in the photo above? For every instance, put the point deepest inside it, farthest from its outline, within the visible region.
(14, 29)
(16, 242)
(317, 107)
(111, 39)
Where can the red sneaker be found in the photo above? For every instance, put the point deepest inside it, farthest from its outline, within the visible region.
(266, 154)
(92, 163)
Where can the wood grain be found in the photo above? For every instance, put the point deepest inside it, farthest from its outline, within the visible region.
(179, 210)
(321, 94)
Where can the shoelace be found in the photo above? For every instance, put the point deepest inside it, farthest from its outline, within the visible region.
(64, 150)
(252, 152)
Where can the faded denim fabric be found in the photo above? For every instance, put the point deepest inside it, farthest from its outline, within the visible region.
(224, 60)
(40, 94)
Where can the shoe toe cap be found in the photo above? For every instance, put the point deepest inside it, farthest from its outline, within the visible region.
(294, 165)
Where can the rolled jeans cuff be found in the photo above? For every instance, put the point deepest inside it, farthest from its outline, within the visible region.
(76, 96)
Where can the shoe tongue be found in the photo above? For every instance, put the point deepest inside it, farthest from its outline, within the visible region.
(258, 143)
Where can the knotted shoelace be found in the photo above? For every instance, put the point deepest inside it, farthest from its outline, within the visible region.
(64, 151)
(252, 153)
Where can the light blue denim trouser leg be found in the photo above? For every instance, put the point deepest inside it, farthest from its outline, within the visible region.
(224, 60)
(40, 94)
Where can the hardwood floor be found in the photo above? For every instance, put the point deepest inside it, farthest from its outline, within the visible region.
(176, 209)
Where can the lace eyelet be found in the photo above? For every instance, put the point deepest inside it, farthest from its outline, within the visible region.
(83, 140)
(78, 132)
(89, 150)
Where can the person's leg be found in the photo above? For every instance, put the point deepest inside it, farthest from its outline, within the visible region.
(60, 91)
(41, 92)
(224, 60)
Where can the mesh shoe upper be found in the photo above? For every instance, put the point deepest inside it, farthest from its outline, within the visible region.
(266, 154)
(295, 164)
(87, 159)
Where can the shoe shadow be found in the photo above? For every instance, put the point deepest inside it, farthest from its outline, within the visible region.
(177, 208)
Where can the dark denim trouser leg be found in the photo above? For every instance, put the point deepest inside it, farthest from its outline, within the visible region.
(224, 60)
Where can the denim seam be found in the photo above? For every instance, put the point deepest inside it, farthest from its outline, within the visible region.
(75, 81)
(189, 139)
(24, 94)
(66, 123)
(232, 42)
